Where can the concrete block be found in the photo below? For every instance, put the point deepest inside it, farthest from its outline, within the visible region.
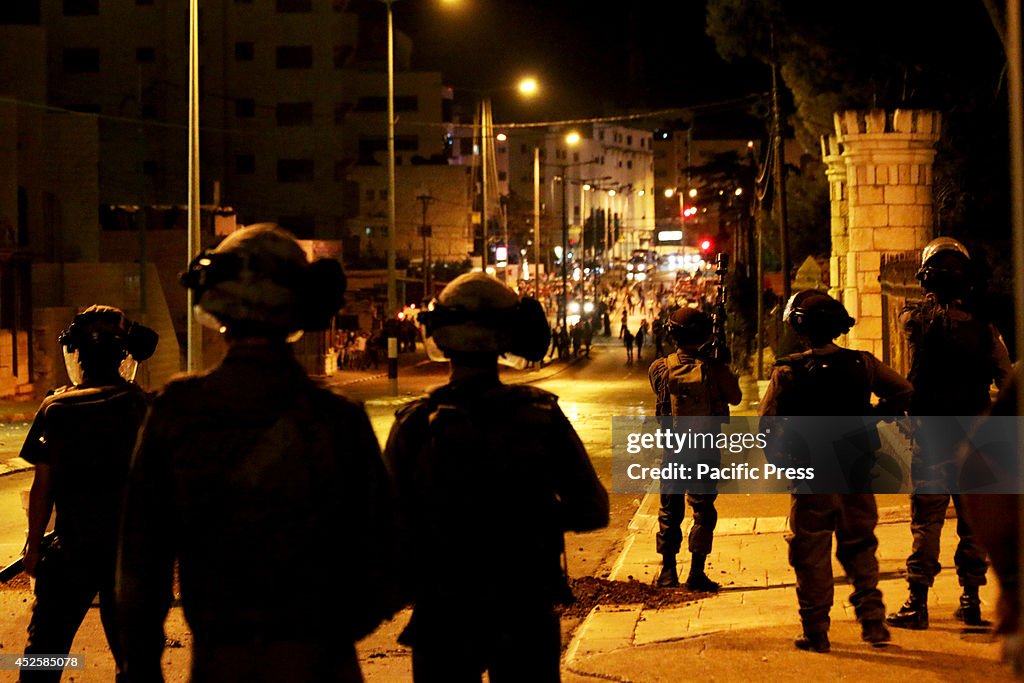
(904, 174)
(852, 304)
(869, 261)
(897, 239)
(874, 121)
(870, 216)
(862, 239)
(870, 194)
(870, 305)
(924, 195)
(867, 282)
(906, 215)
(901, 194)
(859, 175)
(859, 343)
(915, 173)
(869, 328)
(882, 175)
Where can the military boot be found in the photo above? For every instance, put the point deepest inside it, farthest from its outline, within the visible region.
(697, 579)
(668, 578)
(914, 612)
(813, 642)
(969, 610)
(874, 631)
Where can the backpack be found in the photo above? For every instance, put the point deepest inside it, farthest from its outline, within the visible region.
(834, 383)
(688, 385)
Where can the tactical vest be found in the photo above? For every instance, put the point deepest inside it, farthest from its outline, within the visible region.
(950, 363)
(489, 490)
(835, 383)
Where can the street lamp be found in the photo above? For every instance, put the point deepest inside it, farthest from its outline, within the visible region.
(571, 139)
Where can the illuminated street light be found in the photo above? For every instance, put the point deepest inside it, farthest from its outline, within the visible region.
(693, 192)
(669, 192)
(611, 193)
(739, 191)
(641, 193)
(572, 138)
(501, 137)
(586, 187)
(528, 86)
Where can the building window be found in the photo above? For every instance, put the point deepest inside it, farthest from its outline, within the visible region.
(377, 103)
(522, 149)
(382, 195)
(81, 60)
(292, 6)
(245, 52)
(341, 112)
(245, 108)
(294, 114)
(342, 53)
(81, 8)
(600, 135)
(294, 57)
(145, 55)
(575, 156)
(150, 167)
(340, 171)
(370, 194)
(629, 164)
(629, 139)
(143, 2)
(502, 176)
(149, 111)
(294, 170)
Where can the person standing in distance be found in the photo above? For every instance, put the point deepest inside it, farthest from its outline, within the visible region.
(687, 383)
(81, 443)
(506, 463)
(828, 380)
(267, 489)
(955, 355)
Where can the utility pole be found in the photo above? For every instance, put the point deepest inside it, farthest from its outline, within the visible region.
(424, 196)
(194, 355)
(565, 249)
(536, 218)
(780, 179)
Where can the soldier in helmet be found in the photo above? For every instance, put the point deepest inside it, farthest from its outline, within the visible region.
(80, 443)
(488, 476)
(955, 355)
(829, 380)
(251, 476)
(688, 383)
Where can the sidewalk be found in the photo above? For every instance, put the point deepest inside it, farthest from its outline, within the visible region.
(745, 633)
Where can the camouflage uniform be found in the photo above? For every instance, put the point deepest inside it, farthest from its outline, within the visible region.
(954, 359)
(488, 477)
(270, 493)
(724, 388)
(814, 518)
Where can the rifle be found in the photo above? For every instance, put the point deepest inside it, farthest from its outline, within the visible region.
(18, 566)
(718, 347)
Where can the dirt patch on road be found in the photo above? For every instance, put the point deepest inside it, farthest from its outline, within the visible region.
(591, 591)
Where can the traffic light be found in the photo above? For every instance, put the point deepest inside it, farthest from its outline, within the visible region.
(706, 245)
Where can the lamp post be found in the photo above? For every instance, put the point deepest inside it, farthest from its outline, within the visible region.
(194, 354)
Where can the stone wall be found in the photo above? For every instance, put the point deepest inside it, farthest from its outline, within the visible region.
(881, 206)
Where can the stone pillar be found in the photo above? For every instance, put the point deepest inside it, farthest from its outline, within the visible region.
(888, 158)
(835, 171)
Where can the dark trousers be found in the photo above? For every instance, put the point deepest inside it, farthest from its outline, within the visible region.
(65, 589)
(927, 515)
(670, 522)
(295, 661)
(813, 519)
(511, 647)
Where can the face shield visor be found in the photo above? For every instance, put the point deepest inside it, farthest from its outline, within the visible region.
(127, 369)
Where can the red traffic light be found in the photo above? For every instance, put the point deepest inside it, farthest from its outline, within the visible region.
(705, 245)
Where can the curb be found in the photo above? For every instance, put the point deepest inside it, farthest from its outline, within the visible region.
(13, 466)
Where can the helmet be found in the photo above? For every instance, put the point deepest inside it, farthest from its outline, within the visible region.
(101, 338)
(258, 280)
(689, 326)
(944, 263)
(476, 313)
(816, 315)
(943, 244)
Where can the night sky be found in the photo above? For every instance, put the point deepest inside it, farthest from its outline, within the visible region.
(591, 58)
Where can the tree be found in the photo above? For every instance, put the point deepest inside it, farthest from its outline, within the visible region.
(892, 55)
